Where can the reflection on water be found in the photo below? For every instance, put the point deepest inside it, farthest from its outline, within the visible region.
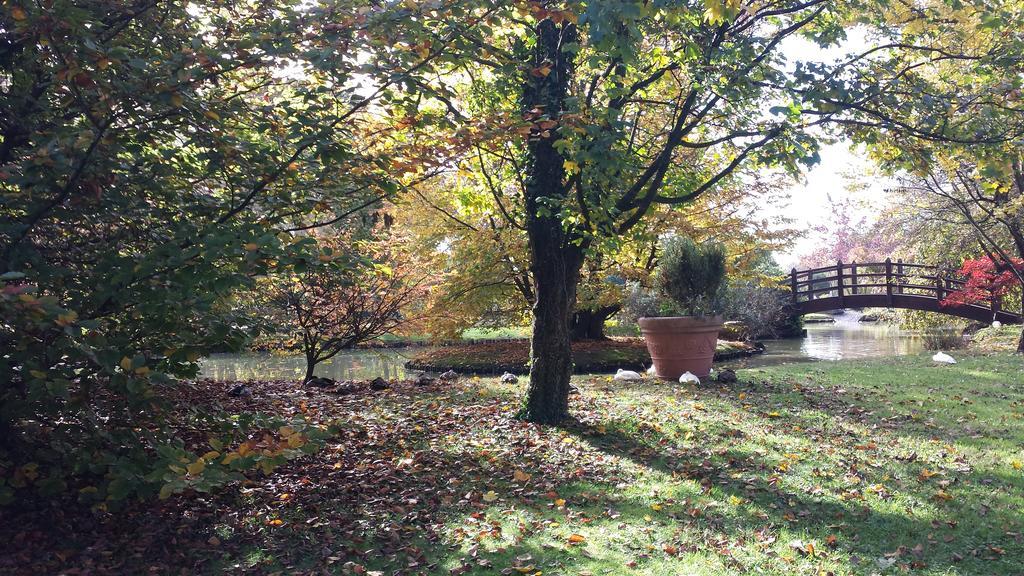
(348, 365)
(845, 339)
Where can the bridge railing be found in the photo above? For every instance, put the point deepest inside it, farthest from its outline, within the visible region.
(891, 279)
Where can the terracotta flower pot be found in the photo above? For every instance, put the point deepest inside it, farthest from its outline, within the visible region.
(681, 344)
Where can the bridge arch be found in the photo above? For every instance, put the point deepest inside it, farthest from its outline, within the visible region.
(887, 285)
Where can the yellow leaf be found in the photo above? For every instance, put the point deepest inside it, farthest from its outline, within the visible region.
(126, 363)
(251, 246)
(285, 431)
(210, 455)
(18, 13)
(1016, 464)
(177, 100)
(196, 468)
(560, 502)
(230, 457)
(656, 507)
(577, 539)
(520, 476)
(165, 492)
(66, 319)
(211, 115)
(275, 522)
(570, 166)
(490, 496)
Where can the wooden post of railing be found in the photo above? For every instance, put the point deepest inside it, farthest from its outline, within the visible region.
(792, 283)
(997, 305)
(839, 280)
(938, 283)
(888, 281)
(899, 273)
(853, 278)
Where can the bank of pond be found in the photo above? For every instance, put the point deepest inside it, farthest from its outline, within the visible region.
(844, 338)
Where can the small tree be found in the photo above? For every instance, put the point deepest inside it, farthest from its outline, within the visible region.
(329, 308)
(987, 279)
(692, 275)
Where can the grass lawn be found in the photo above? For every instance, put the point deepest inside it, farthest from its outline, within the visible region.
(886, 467)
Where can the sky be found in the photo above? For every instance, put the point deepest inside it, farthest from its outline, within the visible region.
(839, 174)
(841, 169)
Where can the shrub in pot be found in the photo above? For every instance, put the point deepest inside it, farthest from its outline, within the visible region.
(683, 338)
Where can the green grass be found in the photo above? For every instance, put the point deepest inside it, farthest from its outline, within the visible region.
(880, 467)
(496, 333)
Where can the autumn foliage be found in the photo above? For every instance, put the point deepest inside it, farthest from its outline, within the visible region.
(985, 280)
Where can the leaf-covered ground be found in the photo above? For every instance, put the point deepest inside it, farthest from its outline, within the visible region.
(589, 356)
(886, 467)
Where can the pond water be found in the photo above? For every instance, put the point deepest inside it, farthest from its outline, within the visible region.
(847, 338)
(361, 364)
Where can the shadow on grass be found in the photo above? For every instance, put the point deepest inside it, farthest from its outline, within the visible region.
(767, 506)
(423, 483)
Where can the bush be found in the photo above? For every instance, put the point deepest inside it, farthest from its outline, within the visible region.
(692, 275)
(945, 338)
(133, 211)
(639, 302)
(765, 310)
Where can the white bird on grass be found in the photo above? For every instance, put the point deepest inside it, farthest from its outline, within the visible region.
(688, 377)
(627, 375)
(943, 358)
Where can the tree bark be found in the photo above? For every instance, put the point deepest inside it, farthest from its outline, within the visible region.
(588, 323)
(555, 275)
(310, 368)
(556, 254)
(1020, 341)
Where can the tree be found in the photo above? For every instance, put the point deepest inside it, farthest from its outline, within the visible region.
(155, 158)
(957, 145)
(467, 222)
(347, 299)
(849, 237)
(987, 280)
(987, 199)
(615, 98)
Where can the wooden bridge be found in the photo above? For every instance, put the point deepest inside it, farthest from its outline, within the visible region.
(888, 285)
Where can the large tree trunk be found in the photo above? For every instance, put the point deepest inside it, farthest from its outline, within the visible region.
(555, 274)
(556, 255)
(588, 323)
